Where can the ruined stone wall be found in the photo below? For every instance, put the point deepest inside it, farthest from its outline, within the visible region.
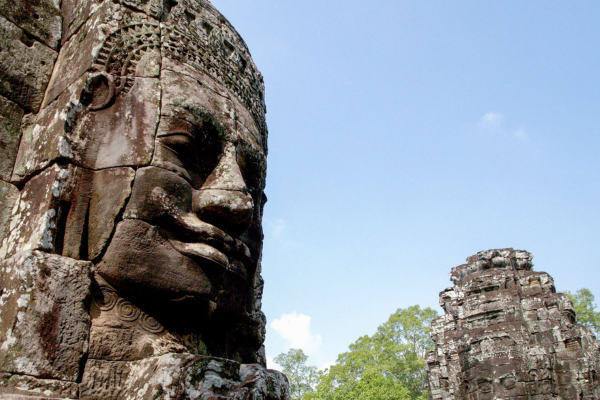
(133, 152)
(30, 34)
(507, 334)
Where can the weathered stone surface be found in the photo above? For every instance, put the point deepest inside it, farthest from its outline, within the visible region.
(48, 136)
(181, 377)
(45, 324)
(10, 136)
(65, 210)
(98, 140)
(95, 140)
(110, 190)
(83, 49)
(9, 196)
(141, 263)
(39, 18)
(196, 34)
(76, 13)
(39, 221)
(104, 141)
(507, 334)
(23, 387)
(97, 200)
(186, 95)
(122, 331)
(25, 65)
(147, 158)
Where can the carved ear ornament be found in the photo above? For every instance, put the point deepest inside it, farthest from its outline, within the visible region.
(115, 65)
(100, 87)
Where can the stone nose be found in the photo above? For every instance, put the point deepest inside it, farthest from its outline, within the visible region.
(223, 200)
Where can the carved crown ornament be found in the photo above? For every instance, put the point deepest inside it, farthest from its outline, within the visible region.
(211, 49)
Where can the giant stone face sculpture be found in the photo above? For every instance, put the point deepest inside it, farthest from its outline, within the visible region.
(507, 334)
(133, 160)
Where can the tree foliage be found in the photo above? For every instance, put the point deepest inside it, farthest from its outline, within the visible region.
(585, 307)
(372, 385)
(388, 365)
(302, 378)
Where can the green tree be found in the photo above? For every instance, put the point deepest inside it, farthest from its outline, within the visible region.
(393, 360)
(585, 307)
(303, 378)
(372, 385)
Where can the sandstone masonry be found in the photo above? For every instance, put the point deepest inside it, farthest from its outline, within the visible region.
(133, 148)
(507, 334)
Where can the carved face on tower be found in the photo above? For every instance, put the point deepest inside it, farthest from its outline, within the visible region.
(152, 140)
(191, 229)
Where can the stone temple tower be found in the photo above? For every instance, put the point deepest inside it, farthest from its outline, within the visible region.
(133, 150)
(507, 334)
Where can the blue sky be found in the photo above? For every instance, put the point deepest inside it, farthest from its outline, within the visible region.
(408, 135)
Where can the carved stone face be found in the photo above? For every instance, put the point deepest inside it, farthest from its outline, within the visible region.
(130, 231)
(192, 225)
(148, 158)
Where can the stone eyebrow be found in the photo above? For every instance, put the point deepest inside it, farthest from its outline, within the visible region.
(194, 114)
(177, 126)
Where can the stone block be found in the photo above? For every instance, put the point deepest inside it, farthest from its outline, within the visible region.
(25, 66)
(123, 134)
(96, 202)
(66, 210)
(47, 137)
(119, 136)
(76, 13)
(110, 190)
(39, 220)
(39, 18)
(81, 50)
(189, 90)
(23, 387)
(45, 325)
(10, 136)
(180, 377)
(9, 196)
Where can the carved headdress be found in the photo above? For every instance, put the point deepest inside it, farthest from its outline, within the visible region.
(195, 34)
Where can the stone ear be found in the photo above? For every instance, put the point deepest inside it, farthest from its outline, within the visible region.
(99, 91)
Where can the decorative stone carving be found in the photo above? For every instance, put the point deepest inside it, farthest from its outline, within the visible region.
(178, 376)
(132, 209)
(507, 334)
